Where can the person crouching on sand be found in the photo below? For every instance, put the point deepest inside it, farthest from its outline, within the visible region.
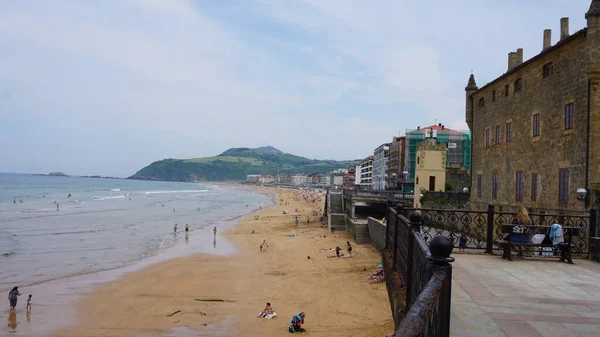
(296, 323)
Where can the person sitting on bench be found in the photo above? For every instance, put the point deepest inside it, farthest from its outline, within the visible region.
(519, 235)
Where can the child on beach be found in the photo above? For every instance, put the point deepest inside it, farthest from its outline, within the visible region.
(349, 248)
(175, 229)
(263, 246)
(28, 305)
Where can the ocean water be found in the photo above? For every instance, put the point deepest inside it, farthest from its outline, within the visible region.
(105, 224)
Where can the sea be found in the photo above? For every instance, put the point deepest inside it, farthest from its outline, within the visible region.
(62, 234)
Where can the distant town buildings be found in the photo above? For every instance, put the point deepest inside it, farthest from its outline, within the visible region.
(380, 158)
(350, 176)
(317, 179)
(364, 173)
(395, 163)
(536, 128)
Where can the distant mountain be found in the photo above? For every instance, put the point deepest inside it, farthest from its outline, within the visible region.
(234, 164)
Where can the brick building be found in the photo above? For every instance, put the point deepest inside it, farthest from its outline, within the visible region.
(395, 163)
(536, 128)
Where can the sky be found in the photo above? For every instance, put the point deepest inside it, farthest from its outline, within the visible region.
(107, 87)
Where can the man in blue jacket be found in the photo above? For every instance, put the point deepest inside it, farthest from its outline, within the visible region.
(296, 323)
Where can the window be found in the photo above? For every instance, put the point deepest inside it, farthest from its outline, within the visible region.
(487, 137)
(417, 160)
(534, 178)
(497, 134)
(495, 186)
(482, 102)
(518, 85)
(508, 132)
(536, 125)
(493, 95)
(547, 70)
(506, 90)
(479, 186)
(569, 116)
(519, 186)
(563, 185)
(417, 180)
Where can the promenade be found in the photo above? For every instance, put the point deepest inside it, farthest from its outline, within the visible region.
(525, 298)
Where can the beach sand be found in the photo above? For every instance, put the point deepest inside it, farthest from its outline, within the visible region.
(170, 298)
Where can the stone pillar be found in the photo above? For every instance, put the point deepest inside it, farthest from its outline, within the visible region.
(593, 72)
(564, 28)
(547, 39)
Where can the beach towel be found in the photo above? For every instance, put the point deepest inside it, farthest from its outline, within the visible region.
(269, 316)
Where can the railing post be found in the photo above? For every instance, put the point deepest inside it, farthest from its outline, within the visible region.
(593, 220)
(489, 242)
(415, 220)
(387, 227)
(441, 247)
(395, 252)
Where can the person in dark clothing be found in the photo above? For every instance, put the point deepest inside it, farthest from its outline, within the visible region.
(337, 251)
(12, 297)
(349, 248)
(296, 323)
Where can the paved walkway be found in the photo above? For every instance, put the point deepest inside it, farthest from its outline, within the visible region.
(524, 298)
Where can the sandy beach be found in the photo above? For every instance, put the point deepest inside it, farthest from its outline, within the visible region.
(210, 295)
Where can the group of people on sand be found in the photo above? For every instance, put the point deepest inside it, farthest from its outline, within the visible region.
(338, 250)
(13, 297)
(295, 323)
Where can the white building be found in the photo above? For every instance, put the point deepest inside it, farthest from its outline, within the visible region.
(267, 179)
(380, 158)
(297, 179)
(364, 172)
(338, 180)
(253, 178)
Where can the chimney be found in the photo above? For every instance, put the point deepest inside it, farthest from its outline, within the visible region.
(547, 39)
(512, 60)
(519, 56)
(564, 28)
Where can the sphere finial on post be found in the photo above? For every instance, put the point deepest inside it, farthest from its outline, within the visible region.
(440, 248)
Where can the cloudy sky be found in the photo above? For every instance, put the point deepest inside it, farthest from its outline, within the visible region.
(107, 87)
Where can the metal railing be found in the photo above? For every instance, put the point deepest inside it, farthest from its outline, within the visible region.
(387, 195)
(482, 228)
(425, 274)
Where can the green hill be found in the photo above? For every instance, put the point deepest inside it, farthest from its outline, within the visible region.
(235, 164)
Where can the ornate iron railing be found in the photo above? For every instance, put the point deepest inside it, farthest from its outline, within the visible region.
(425, 273)
(482, 228)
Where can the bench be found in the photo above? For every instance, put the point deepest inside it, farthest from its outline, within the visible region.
(565, 248)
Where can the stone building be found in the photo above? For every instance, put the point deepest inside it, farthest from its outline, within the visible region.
(536, 128)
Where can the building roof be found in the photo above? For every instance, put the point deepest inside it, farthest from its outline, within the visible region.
(436, 127)
(544, 52)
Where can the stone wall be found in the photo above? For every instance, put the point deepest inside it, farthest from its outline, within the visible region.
(458, 178)
(555, 147)
(358, 230)
(377, 231)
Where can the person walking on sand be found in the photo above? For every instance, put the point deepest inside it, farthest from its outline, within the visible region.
(296, 323)
(349, 248)
(13, 297)
(215, 231)
(264, 245)
(175, 229)
(187, 229)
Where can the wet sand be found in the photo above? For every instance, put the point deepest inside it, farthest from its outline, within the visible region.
(211, 295)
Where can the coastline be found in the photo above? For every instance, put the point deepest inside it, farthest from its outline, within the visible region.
(167, 298)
